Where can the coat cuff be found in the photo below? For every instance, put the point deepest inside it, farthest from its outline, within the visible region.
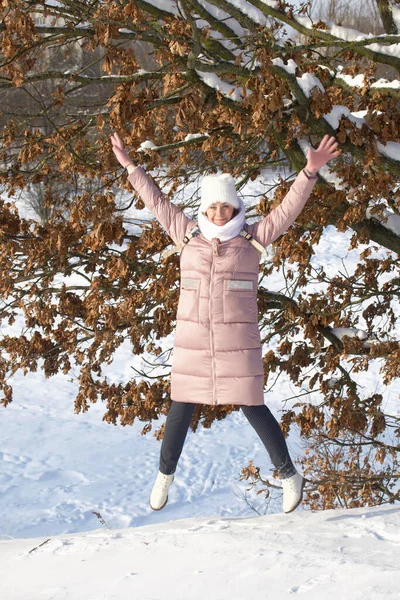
(309, 176)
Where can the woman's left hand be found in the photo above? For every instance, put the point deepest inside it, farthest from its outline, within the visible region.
(324, 153)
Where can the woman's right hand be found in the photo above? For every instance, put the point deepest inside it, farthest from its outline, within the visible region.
(120, 153)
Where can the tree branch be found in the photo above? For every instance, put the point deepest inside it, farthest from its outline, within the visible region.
(385, 10)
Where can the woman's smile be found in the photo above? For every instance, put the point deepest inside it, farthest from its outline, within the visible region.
(219, 213)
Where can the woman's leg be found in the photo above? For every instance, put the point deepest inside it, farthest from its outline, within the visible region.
(176, 428)
(270, 433)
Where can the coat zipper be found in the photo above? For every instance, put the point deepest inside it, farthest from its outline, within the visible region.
(214, 253)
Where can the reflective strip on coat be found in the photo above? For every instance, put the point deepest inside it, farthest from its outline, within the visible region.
(217, 356)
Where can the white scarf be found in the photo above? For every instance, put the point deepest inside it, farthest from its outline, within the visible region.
(223, 232)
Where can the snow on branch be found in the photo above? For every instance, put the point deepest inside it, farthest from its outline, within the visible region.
(349, 34)
(340, 332)
(395, 8)
(354, 332)
(222, 16)
(168, 5)
(304, 85)
(140, 75)
(146, 146)
(385, 83)
(191, 138)
(229, 91)
(390, 149)
(332, 33)
(386, 218)
(290, 67)
(250, 11)
(359, 81)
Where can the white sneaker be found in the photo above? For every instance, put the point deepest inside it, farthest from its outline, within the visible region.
(159, 493)
(292, 492)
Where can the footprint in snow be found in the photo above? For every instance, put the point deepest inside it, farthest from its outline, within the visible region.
(14, 458)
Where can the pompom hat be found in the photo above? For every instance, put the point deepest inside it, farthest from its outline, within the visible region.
(218, 188)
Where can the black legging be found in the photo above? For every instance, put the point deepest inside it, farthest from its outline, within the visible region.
(259, 417)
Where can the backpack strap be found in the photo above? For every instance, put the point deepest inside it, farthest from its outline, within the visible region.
(196, 230)
(192, 233)
(252, 241)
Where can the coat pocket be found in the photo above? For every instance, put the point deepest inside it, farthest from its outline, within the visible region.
(240, 301)
(188, 306)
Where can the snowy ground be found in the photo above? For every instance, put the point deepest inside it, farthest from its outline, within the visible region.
(57, 469)
(346, 555)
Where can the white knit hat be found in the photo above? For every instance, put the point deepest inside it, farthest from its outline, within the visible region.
(218, 188)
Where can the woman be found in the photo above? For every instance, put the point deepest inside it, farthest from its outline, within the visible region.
(217, 355)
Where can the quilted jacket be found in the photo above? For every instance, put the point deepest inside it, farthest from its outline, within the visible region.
(217, 355)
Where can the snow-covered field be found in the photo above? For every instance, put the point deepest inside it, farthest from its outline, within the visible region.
(339, 554)
(58, 469)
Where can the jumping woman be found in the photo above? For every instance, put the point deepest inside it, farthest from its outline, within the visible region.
(217, 357)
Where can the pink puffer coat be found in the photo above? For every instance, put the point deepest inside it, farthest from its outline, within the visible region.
(217, 351)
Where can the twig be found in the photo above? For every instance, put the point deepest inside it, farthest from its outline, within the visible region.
(102, 521)
(37, 547)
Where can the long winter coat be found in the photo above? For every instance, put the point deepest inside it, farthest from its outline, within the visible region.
(217, 351)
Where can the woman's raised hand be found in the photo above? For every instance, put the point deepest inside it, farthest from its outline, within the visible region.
(316, 159)
(120, 153)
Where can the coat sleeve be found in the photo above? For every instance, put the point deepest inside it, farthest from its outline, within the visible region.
(268, 229)
(170, 217)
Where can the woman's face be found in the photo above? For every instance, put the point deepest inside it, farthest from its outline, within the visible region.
(220, 213)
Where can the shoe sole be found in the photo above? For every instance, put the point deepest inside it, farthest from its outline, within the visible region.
(161, 507)
(303, 483)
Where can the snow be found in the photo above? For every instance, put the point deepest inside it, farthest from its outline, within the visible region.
(334, 116)
(271, 3)
(332, 382)
(194, 136)
(390, 50)
(395, 84)
(221, 15)
(339, 111)
(231, 46)
(396, 15)
(356, 81)
(387, 218)
(340, 332)
(348, 34)
(250, 11)
(229, 91)
(147, 145)
(308, 81)
(390, 149)
(303, 20)
(290, 66)
(353, 35)
(333, 554)
(166, 5)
